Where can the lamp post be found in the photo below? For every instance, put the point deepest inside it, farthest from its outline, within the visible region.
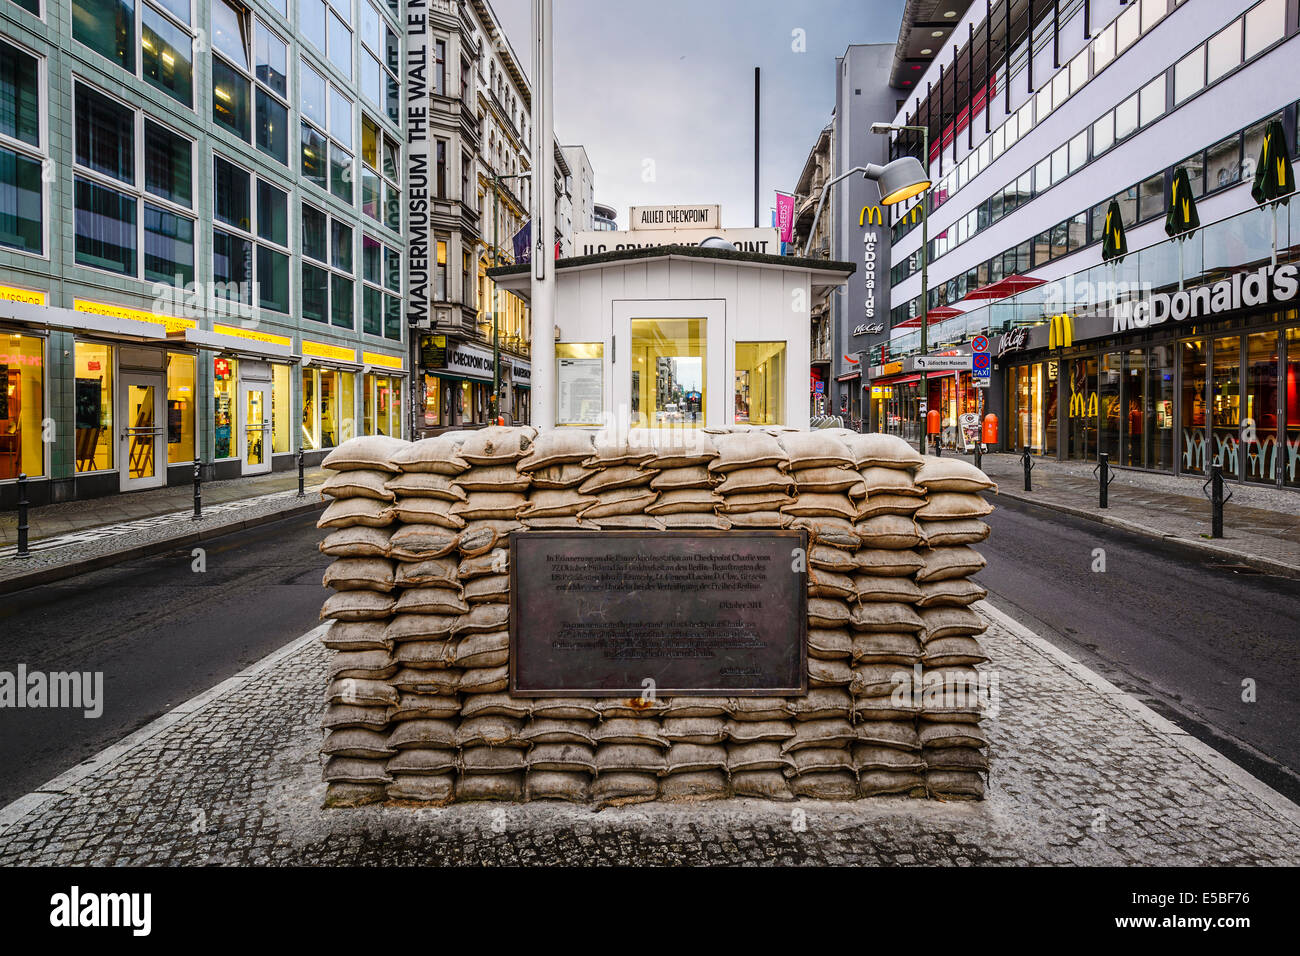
(898, 181)
(881, 128)
(496, 256)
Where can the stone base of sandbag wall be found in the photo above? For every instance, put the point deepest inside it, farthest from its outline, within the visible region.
(418, 709)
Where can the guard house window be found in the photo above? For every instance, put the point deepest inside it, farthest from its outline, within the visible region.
(231, 71)
(327, 287)
(22, 152)
(668, 389)
(114, 217)
(760, 383)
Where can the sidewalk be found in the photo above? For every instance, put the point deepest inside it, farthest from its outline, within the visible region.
(1082, 774)
(72, 537)
(1261, 525)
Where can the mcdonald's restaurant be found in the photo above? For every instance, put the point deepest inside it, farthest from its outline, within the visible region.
(1166, 379)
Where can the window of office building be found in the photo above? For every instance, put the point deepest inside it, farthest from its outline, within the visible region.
(760, 383)
(380, 161)
(271, 95)
(22, 406)
(93, 397)
(182, 396)
(1265, 25)
(1223, 164)
(22, 191)
(380, 61)
(668, 389)
(326, 135)
(327, 28)
(380, 271)
(1189, 75)
(110, 226)
(231, 74)
(167, 49)
(108, 28)
(327, 287)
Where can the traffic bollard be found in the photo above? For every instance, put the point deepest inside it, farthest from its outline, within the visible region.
(301, 492)
(1028, 464)
(1104, 478)
(22, 517)
(198, 494)
(1215, 484)
(979, 455)
(938, 448)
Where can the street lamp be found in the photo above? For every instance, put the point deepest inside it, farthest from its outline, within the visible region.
(496, 255)
(882, 129)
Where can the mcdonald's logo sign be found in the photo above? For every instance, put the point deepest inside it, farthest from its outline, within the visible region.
(1079, 406)
(1061, 333)
(871, 216)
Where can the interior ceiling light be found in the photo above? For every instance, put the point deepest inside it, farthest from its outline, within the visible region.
(950, 13)
(937, 33)
(926, 52)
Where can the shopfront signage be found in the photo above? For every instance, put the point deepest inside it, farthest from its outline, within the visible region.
(253, 335)
(893, 368)
(869, 241)
(380, 360)
(675, 217)
(873, 328)
(612, 614)
(523, 372)
(1243, 290)
(465, 360)
(323, 350)
(168, 322)
(1015, 340)
(941, 363)
(763, 241)
(11, 294)
(419, 195)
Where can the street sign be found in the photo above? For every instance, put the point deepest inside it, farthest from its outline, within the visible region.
(978, 382)
(944, 363)
(819, 387)
(980, 343)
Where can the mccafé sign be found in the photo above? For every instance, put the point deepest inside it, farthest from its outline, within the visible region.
(1265, 285)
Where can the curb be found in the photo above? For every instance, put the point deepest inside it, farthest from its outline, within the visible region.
(71, 569)
(1202, 753)
(1192, 546)
(14, 812)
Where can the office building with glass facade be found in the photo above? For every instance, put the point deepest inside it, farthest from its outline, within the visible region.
(201, 242)
(1184, 350)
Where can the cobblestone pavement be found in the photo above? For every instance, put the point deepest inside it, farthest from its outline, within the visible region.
(1080, 776)
(1259, 522)
(70, 518)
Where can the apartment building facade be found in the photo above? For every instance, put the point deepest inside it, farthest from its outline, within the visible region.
(201, 238)
(480, 158)
(1180, 353)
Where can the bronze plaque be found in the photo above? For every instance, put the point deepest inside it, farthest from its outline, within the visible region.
(603, 613)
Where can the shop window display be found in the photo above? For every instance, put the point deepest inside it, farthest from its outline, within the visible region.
(1082, 410)
(310, 422)
(1289, 448)
(281, 414)
(1110, 405)
(1225, 407)
(94, 406)
(22, 406)
(1192, 408)
(1259, 432)
(225, 378)
(182, 393)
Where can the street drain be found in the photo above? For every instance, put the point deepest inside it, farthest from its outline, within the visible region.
(1235, 568)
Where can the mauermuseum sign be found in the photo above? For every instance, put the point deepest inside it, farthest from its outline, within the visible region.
(645, 613)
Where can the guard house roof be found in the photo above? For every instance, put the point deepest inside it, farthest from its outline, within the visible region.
(824, 274)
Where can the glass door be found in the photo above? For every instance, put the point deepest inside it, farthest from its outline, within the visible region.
(1259, 426)
(142, 445)
(255, 435)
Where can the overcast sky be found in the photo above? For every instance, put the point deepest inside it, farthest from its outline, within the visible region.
(671, 82)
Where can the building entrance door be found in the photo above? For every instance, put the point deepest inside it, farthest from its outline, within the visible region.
(142, 442)
(255, 433)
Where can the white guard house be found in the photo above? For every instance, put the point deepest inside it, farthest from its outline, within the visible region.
(681, 336)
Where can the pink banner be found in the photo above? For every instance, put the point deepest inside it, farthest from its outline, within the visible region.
(785, 216)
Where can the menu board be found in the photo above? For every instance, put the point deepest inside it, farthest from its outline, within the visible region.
(580, 391)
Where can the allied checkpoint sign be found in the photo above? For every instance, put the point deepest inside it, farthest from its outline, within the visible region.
(689, 613)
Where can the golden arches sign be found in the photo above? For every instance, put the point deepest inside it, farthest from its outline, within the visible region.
(1060, 332)
(872, 216)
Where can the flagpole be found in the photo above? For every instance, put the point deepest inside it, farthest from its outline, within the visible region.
(543, 237)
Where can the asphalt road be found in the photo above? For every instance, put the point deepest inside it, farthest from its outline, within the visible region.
(1165, 626)
(159, 631)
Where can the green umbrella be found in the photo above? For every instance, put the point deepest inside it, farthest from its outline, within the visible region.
(1182, 217)
(1114, 245)
(1274, 178)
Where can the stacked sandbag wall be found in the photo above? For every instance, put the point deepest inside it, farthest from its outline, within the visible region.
(418, 707)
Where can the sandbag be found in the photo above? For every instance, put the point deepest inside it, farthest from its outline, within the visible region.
(750, 449)
(875, 783)
(490, 732)
(423, 734)
(574, 787)
(888, 531)
(828, 613)
(356, 742)
(687, 520)
(751, 481)
(356, 636)
(641, 758)
(432, 572)
(489, 506)
(357, 541)
(496, 561)
(482, 535)
(821, 703)
(942, 564)
(950, 621)
(612, 479)
(821, 506)
(494, 478)
(695, 730)
(951, 592)
(491, 760)
(559, 446)
(357, 606)
(829, 643)
(484, 680)
(351, 512)
(824, 673)
(439, 456)
(552, 730)
(885, 647)
(868, 587)
(434, 511)
(493, 589)
(435, 789)
(692, 758)
(949, 505)
(899, 734)
(830, 531)
(560, 477)
(753, 731)
(683, 449)
(630, 730)
(828, 584)
(687, 477)
(498, 444)
(955, 784)
(885, 616)
(338, 716)
(496, 704)
(355, 770)
(420, 627)
(953, 651)
(951, 474)
(763, 784)
(556, 504)
(430, 600)
(815, 449)
(694, 785)
(371, 452)
(623, 501)
(875, 448)
(620, 788)
(425, 485)
(831, 559)
(358, 483)
(889, 504)
(759, 504)
(684, 501)
(760, 755)
(425, 706)
(490, 786)
(826, 733)
(888, 562)
(872, 757)
(417, 542)
(938, 534)
(478, 651)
